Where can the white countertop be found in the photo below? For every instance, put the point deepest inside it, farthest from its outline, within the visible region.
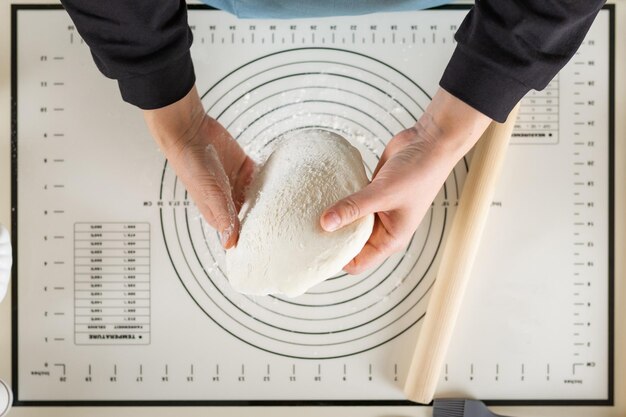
(620, 271)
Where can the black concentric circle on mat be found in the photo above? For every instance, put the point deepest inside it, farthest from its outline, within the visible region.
(365, 100)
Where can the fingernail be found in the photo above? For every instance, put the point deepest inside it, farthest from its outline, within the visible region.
(331, 221)
(225, 235)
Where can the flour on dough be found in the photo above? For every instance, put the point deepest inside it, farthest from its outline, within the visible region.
(282, 248)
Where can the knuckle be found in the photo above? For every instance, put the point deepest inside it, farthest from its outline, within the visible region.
(183, 149)
(406, 137)
(350, 209)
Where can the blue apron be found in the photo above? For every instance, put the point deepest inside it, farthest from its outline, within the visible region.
(286, 9)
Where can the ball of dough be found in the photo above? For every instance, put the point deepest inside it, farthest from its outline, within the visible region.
(282, 248)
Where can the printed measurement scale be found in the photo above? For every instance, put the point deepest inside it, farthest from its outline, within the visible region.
(121, 290)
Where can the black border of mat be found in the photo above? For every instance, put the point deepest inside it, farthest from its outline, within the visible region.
(609, 401)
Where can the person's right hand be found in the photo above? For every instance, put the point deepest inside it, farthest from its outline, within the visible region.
(410, 173)
(210, 163)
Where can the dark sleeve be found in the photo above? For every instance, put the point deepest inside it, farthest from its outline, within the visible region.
(143, 44)
(506, 48)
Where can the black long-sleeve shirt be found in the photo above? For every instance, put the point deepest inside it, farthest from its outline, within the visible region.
(504, 48)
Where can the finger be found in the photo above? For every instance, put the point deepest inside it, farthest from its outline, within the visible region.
(356, 205)
(367, 201)
(242, 181)
(206, 213)
(379, 247)
(218, 197)
(227, 239)
(233, 158)
(218, 209)
(231, 238)
(389, 150)
(369, 257)
(226, 220)
(383, 158)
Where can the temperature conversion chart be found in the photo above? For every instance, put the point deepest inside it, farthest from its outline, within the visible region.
(120, 288)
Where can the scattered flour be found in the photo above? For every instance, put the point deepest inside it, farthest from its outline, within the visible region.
(282, 248)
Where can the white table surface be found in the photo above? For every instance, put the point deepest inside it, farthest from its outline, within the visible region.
(619, 409)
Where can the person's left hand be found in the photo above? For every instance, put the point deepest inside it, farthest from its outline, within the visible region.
(410, 173)
(207, 159)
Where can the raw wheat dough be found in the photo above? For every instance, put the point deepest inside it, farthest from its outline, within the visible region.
(282, 248)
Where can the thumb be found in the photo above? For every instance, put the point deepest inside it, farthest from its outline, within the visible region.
(224, 212)
(352, 208)
(217, 196)
(226, 219)
(217, 207)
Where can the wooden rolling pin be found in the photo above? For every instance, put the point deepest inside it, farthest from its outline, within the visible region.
(457, 260)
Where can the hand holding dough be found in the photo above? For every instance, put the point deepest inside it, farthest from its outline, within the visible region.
(282, 248)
